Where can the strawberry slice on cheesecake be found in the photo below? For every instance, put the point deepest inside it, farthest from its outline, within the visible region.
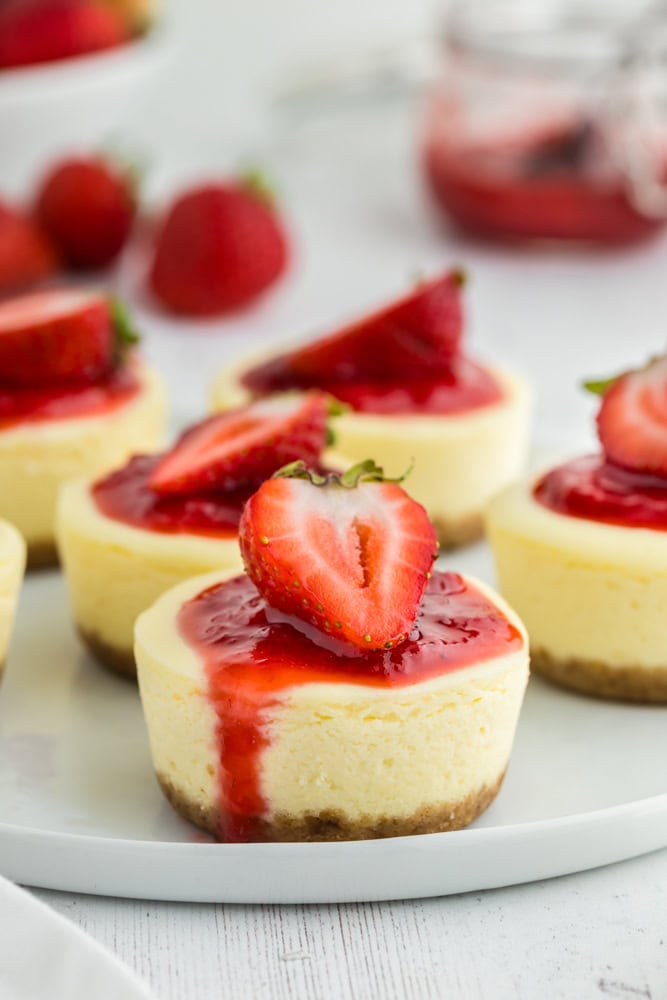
(75, 398)
(342, 688)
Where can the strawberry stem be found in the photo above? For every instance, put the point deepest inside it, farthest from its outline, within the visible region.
(255, 182)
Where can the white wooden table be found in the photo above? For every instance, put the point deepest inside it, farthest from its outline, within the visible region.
(598, 934)
(362, 229)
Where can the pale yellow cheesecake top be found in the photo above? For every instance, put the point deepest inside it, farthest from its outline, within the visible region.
(516, 510)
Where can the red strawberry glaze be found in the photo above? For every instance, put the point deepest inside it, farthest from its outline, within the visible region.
(464, 385)
(252, 659)
(126, 496)
(597, 490)
(67, 402)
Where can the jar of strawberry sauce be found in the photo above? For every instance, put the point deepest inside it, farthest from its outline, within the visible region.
(549, 120)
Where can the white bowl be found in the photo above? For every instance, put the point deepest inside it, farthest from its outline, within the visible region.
(74, 105)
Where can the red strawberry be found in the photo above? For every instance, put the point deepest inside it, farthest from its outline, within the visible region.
(62, 335)
(26, 256)
(87, 207)
(632, 422)
(245, 446)
(219, 246)
(349, 554)
(39, 31)
(413, 335)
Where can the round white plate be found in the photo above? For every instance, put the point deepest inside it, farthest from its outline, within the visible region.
(80, 809)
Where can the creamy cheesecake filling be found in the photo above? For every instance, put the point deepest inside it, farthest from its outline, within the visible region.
(36, 458)
(591, 595)
(12, 564)
(114, 570)
(255, 744)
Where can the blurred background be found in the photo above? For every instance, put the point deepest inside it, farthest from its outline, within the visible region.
(524, 141)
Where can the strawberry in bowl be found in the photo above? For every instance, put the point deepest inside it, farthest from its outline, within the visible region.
(75, 398)
(411, 394)
(581, 550)
(342, 688)
(127, 536)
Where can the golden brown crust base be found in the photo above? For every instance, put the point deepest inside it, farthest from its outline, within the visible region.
(452, 534)
(643, 684)
(334, 825)
(42, 555)
(119, 661)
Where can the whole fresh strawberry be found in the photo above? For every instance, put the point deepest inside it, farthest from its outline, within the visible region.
(350, 554)
(61, 335)
(26, 253)
(632, 421)
(219, 247)
(245, 446)
(39, 31)
(87, 206)
(414, 335)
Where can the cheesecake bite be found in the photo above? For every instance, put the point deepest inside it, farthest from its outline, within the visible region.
(127, 537)
(412, 394)
(12, 565)
(581, 550)
(341, 688)
(75, 399)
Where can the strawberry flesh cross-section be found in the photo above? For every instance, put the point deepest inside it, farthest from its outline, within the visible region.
(350, 555)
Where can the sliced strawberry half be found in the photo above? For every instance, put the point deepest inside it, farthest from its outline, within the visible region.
(632, 422)
(245, 446)
(61, 335)
(349, 554)
(414, 335)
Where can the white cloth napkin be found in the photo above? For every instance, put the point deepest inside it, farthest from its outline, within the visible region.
(45, 957)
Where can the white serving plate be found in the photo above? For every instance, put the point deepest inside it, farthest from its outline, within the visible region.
(80, 809)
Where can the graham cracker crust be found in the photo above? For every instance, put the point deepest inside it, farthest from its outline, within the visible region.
(334, 825)
(643, 684)
(42, 555)
(118, 661)
(452, 534)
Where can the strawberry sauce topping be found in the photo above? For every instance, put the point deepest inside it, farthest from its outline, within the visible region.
(126, 496)
(597, 490)
(252, 659)
(406, 357)
(66, 402)
(462, 385)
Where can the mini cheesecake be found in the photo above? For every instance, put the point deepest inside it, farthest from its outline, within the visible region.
(127, 537)
(12, 565)
(460, 426)
(61, 424)
(259, 733)
(341, 688)
(581, 553)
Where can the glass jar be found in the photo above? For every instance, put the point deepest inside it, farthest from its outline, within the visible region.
(549, 120)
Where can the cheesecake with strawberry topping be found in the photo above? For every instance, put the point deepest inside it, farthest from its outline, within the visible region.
(127, 537)
(581, 550)
(12, 565)
(75, 399)
(340, 689)
(412, 395)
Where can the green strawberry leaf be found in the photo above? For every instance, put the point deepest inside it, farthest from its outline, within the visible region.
(363, 472)
(599, 386)
(126, 334)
